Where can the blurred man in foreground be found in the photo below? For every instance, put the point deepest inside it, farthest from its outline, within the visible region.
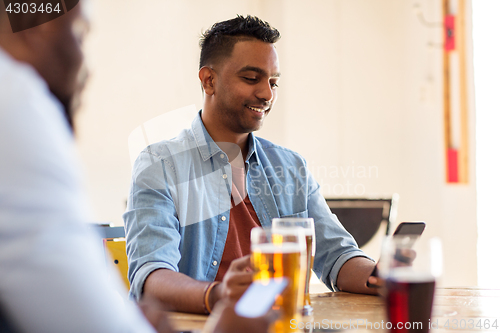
(52, 274)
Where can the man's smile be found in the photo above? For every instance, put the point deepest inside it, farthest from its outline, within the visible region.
(259, 109)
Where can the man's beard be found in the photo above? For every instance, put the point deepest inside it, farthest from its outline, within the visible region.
(71, 103)
(69, 108)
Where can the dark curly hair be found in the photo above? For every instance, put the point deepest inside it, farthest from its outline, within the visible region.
(218, 41)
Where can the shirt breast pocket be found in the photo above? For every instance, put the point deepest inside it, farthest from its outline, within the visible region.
(301, 214)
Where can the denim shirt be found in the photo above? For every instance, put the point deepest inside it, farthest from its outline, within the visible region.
(178, 208)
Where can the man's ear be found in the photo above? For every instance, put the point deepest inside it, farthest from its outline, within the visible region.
(207, 76)
(39, 40)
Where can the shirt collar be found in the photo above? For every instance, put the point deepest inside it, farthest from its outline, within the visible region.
(204, 141)
(252, 143)
(209, 148)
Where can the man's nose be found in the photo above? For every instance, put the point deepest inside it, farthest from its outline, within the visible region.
(265, 92)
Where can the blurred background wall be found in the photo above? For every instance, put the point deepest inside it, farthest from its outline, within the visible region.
(360, 98)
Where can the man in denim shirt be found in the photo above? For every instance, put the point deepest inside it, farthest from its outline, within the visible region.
(194, 198)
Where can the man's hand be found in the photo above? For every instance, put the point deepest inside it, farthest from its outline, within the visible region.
(354, 274)
(376, 281)
(238, 278)
(224, 320)
(402, 258)
(182, 293)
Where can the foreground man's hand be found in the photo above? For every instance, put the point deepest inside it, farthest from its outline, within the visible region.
(156, 314)
(224, 320)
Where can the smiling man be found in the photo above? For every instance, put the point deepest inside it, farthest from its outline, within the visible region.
(195, 198)
(240, 91)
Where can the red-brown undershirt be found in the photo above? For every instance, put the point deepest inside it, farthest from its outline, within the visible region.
(242, 218)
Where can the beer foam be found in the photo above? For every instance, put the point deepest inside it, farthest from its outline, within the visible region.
(407, 274)
(308, 232)
(273, 248)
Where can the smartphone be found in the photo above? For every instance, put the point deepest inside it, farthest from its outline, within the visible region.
(260, 297)
(410, 229)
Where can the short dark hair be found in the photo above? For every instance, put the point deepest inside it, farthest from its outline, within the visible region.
(218, 41)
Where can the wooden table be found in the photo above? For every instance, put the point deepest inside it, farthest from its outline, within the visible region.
(455, 309)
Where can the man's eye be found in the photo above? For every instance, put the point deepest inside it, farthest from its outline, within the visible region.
(274, 85)
(250, 79)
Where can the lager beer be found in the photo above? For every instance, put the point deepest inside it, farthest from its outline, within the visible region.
(310, 249)
(308, 225)
(281, 256)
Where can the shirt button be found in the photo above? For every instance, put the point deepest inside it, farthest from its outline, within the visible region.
(223, 218)
(221, 155)
(214, 263)
(224, 176)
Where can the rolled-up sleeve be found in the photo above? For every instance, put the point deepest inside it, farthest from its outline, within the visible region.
(334, 245)
(151, 222)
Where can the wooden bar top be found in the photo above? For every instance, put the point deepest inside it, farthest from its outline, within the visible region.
(455, 309)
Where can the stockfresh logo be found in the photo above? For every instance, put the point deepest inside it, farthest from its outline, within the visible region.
(28, 14)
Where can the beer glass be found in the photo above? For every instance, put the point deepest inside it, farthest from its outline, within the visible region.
(410, 269)
(280, 253)
(310, 236)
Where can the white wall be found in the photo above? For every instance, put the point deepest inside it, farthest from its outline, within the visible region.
(360, 90)
(487, 71)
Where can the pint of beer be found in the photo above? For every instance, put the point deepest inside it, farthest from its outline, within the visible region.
(310, 236)
(410, 269)
(278, 253)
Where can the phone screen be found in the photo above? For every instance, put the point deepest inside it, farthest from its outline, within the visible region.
(259, 297)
